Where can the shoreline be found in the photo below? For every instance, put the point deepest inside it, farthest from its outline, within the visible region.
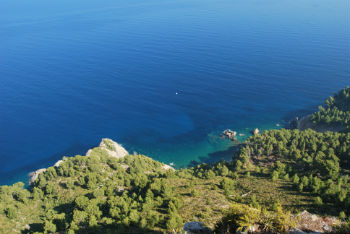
(242, 135)
(305, 122)
(301, 124)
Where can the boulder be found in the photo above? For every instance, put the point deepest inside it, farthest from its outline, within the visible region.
(229, 134)
(196, 227)
(256, 131)
(315, 223)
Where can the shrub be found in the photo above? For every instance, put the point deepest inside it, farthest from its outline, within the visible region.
(274, 176)
(11, 212)
(240, 217)
(318, 201)
(194, 193)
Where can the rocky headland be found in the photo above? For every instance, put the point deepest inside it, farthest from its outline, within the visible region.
(107, 146)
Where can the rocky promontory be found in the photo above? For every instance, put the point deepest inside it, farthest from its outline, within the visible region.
(111, 147)
(107, 146)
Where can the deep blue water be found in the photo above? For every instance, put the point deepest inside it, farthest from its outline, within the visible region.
(72, 72)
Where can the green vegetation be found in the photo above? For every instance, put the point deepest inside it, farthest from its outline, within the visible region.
(278, 170)
(242, 217)
(343, 228)
(336, 110)
(317, 163)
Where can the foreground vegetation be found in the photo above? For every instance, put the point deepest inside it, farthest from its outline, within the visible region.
(273, 175)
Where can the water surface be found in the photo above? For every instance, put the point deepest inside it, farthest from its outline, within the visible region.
(72, 72)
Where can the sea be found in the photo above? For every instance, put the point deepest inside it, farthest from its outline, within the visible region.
(161, 77)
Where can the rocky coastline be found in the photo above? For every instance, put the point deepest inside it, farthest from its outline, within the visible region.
(115, 149)
(306, 122)
(112, 148)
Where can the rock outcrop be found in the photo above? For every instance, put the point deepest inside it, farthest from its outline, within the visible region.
(306, 223)
(167, 167)
(196, 227)
(57, 164)
(34, 175)
(229, 134)
(310, 222)
(256, 131)
(112, 148)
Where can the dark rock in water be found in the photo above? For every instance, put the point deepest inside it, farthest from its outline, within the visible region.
(193, 163)
(229, 134)
(196, 227)
(294, 123)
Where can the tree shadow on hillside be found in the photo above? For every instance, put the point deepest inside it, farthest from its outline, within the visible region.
(33, 227)
(308, 203)
(291, 189)
(99, 229)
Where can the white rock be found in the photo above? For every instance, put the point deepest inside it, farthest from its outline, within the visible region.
(196, 227)
(34, 175)
(57, 164)
(88, 152)
(167, 167)
(112, 148)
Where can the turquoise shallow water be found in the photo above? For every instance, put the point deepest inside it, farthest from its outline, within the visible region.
(74, 72)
